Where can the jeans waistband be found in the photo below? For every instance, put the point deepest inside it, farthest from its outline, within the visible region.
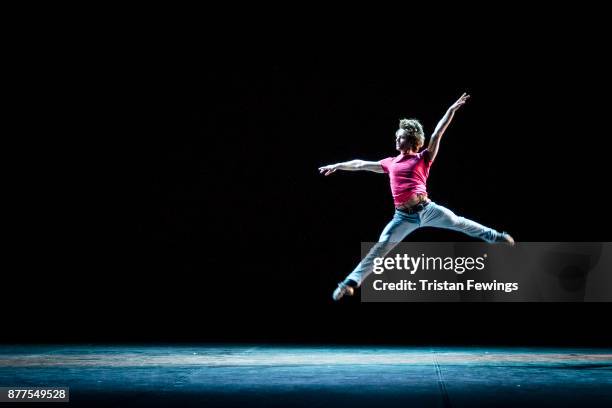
(415, 209)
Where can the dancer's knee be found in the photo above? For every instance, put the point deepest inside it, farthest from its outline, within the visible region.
(451, 221)
(458, 221)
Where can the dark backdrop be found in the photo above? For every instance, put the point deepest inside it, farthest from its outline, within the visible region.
(176, 197)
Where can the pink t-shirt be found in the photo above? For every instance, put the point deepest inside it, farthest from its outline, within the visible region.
(407, 174)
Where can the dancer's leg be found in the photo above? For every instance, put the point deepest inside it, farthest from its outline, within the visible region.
(400, 226)
(435, 215)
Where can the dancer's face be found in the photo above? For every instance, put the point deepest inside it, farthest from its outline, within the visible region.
(401, 141)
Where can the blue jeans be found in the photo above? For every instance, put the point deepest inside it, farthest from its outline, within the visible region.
(402, 224)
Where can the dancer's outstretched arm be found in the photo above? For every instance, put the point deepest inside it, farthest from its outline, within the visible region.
(353, 165)
(434, 141)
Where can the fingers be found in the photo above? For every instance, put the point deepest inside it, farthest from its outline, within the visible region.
(462, 100)
(326, 170)
(329, 171)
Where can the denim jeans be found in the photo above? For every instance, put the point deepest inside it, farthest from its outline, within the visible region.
(402, 224)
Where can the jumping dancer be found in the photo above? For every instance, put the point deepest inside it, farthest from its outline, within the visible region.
(408, 174)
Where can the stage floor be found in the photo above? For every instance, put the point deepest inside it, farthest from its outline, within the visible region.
(322, 376)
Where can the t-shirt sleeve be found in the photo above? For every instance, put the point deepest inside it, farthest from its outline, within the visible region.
(385, 164)
(426, 155)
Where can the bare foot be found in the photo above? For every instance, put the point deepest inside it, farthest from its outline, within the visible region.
(507, 238)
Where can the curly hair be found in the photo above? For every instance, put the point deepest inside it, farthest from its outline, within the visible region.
(413, 130)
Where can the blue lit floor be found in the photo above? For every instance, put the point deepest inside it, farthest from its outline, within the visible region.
(272, 376)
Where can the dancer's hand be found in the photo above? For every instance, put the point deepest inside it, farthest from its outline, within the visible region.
(459, 102)
(329, 169)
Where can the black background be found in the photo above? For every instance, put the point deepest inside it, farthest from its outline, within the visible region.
(173, 194)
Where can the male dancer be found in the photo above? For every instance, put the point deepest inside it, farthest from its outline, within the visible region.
(408, 174)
